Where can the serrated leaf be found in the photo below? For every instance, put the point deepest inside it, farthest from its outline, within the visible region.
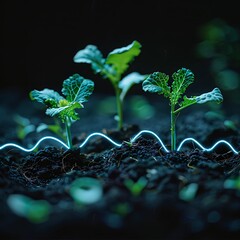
(128, 81)
(214, 96)
(181, 80)
(77, 89)
(157, 82)
(62, 112)
(120, 58)
(92, 55)
(46, 96)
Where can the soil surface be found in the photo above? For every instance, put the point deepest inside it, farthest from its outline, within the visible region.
(146, 193)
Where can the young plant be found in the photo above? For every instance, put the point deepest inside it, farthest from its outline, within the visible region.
(25, 127)
(86, 190)
(36, 211)
(137, 187)
(112, 68)
(76, 90)
(157, 82)
(55, 128)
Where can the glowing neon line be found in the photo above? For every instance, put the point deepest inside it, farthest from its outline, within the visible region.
(102, 135)
(207, 149)
(118, 144)
(152, 133)
(35, 146)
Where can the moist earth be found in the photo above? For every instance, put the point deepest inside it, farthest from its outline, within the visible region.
(162, 209)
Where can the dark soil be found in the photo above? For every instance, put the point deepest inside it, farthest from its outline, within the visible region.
(159, 211)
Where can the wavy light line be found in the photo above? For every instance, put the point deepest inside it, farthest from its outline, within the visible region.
(152, 133)
(35, 146)
(207, 149)
(102, 135)
(119, 145)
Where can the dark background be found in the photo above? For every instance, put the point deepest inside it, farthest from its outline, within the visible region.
(40, 38)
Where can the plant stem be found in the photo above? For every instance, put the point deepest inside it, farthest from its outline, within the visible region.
(68, 132)
(173, 128)
(115, 80)
(119, 107)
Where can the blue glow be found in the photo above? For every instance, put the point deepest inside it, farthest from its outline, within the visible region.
(119, 145)
(35, 146)
(152, 133)
(101, 135)
(207, 149)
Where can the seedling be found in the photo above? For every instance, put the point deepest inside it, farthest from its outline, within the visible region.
(36, 211)
(24, 126)
(55, 128)
(232, 183)
(189, 192)
(112, 68)
(86, 190)
(157, 82)
(77, 90)
(137, 187)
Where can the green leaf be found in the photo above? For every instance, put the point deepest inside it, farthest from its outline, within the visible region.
(55, 128)
(120, 58)
(182, 79)
(128, 81)
(90, 55)
(77, 89)
(24, 126)
(232, 183)
(214, 96)
(136, 187)
(36, 211)
(46, 96)
(188, 101)
(64, 111)
(157, 82)
(189, 192)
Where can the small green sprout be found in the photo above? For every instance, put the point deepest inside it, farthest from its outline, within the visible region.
(36, 211)
(55, 128)
(189, 192)
(24, 126)
(122, 209)
(136, 187)
(157, 82)
(112, 68)
(76, 89)
(232, 183)
(86, 190)
(229, 124)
